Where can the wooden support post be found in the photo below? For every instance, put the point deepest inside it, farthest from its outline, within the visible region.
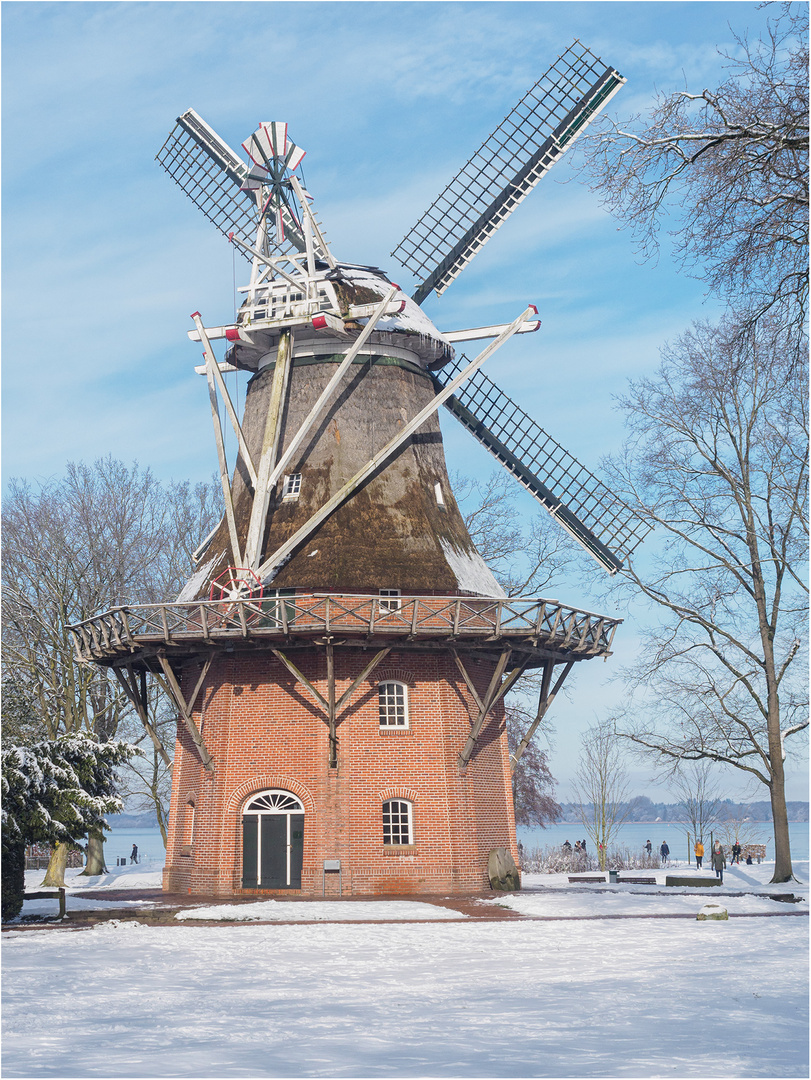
(218, 438)
(495, 692)
(219, 382)
(140, 701)
(545, 700)
(297, 675)
(367, 671)
(333, 738)
(172, 688)
(270, 444)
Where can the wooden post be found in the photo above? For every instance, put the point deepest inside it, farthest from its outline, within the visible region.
(333, 741)
(270, 443)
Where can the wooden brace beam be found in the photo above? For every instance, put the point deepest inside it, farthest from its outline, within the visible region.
(495, 692)
(545, 700)
(139, 700)
(172, 688)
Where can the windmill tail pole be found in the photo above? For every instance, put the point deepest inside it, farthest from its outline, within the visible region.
(298, 538)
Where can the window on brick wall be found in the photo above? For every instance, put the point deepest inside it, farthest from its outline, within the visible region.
(392, 700)
(397, 822)
(389, 600)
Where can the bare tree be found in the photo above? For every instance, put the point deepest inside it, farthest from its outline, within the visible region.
(695, 785)
(601, 786)
(717, 457)
(532, 782)
(733, 165)
(524, 561)
(103, 534)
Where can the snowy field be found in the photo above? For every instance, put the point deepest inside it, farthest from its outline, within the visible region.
(568, 997)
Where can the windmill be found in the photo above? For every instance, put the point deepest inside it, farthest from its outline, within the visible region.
(341, 601)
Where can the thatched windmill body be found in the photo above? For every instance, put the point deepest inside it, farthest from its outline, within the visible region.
(340, 656)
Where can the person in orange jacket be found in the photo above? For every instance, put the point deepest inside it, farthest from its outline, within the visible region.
(699, 850)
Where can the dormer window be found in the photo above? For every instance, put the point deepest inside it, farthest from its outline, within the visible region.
(389, 600)
(292, 487)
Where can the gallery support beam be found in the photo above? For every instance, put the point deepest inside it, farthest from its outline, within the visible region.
(172, 688)
(495, 692)
(545, 700)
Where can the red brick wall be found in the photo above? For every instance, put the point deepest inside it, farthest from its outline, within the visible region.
(264, 730)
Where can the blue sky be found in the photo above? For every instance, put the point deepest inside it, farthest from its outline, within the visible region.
(104, 258)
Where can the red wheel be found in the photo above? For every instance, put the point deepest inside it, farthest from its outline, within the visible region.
(236, 583)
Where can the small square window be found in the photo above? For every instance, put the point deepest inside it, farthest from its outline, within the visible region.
(389, 600)
(292, 486)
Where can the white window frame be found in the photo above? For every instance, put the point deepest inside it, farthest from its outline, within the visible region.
(404, 819)
(389, 600)
(389, 709)
(291, 488)
(440, 495)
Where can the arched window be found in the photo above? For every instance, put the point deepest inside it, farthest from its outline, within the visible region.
(393, 704)
(397, 822)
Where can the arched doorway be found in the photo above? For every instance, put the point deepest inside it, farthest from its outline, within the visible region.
(272, 841)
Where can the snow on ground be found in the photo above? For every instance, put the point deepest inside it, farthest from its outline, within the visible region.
(126, 877)
(646, 997)
(639, 998)
(321, 911)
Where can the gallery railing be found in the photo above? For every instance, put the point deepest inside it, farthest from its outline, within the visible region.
(125, 629)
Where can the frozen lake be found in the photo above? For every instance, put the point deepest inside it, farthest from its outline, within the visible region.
(634, 835)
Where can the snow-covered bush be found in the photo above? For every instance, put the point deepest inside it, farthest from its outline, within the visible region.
(553, 860)
(56, 790)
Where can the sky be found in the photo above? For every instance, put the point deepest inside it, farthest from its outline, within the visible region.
(104, 259)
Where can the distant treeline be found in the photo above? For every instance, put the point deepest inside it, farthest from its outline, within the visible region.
(147, 820)
(641, 808)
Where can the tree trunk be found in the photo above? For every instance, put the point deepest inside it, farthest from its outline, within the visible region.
(13, 883)
(782, 848)
(95, 856)
(55, 874)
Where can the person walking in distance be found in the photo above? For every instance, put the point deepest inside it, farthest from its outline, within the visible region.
(736, 851)
(699, 850)
(664, 851)
(718, 860)
(648, 847)
(134, 854)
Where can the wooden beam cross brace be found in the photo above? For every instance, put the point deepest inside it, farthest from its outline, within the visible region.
(329, 704)
(545, 700)
(139, 699)
(495, 692)
(172, 688)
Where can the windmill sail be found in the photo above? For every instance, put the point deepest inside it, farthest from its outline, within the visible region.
(506, 167)
(584, 506)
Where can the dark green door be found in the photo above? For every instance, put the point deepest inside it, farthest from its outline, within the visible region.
(274, 851)
(250, 861)
(296, 849)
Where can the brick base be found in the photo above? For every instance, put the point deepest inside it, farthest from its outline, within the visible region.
(265, 732)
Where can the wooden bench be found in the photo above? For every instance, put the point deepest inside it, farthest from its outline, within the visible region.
(49, 894)
(692, 882)
(637, 880)
(587, 879)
